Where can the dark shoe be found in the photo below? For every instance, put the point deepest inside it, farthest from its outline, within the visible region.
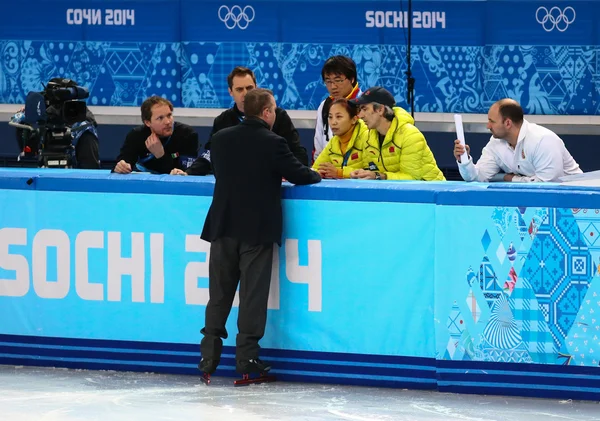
(208, 366)
(251, 366)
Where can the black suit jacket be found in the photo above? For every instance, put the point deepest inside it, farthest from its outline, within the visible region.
(249, 161)
(283, 126)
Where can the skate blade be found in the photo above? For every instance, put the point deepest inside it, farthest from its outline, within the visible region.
(206, 378)
(247, 380)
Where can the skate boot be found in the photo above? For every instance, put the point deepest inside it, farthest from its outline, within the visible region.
(207, 366)
(253, 371)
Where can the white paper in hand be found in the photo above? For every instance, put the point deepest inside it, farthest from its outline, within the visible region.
(460, 135)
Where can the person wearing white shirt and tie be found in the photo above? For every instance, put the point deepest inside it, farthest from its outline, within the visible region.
(518, 150)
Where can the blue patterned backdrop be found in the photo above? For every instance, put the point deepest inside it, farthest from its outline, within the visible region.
(468, 76)
(534, 296)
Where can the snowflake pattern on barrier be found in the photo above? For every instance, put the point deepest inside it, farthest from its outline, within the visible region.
(465, 79)
(548, 308)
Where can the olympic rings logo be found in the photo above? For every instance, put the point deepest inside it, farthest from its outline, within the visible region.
(555, 18)
(236, 16)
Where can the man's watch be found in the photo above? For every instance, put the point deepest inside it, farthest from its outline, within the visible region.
(377, 175)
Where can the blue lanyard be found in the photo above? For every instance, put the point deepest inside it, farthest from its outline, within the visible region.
(346, 157)
(142, 168)
(150, 156)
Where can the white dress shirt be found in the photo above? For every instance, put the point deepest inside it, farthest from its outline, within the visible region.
(540, 155)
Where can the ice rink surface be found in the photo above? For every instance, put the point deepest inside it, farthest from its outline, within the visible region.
(46, 394)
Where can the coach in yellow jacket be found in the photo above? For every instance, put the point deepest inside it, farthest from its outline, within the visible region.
(396, 149)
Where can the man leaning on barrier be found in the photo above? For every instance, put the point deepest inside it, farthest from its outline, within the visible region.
(395, 149)
(243, 222)
(518, 150)
(241, 80)
(160, 144)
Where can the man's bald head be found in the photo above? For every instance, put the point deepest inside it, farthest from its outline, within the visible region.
(509, 108)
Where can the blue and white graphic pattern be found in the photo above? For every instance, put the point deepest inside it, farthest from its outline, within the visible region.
(545, 79)
(548, 310)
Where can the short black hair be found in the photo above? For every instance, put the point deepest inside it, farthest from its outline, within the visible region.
(239, 71)
(340, 65)
(509, 108)
(350, 108)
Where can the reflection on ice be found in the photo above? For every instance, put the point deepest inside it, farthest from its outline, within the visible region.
(57, 394)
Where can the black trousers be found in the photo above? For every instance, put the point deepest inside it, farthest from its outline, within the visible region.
(232, 261)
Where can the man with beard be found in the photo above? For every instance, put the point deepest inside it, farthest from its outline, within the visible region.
(518, 150)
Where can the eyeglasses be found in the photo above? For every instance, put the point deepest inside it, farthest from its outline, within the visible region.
(336, 82)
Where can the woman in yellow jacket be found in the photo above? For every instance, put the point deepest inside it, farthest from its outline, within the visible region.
(395, 149)
(343, 153)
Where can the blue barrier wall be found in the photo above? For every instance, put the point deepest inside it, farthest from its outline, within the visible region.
(465, 55)
(460, 287)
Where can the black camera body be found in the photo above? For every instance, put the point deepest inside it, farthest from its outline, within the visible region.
(52, 122)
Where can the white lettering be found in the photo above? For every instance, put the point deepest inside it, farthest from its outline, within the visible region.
(369, 16)
(440, 17)
(196, 295)
(193, 294)
(94, 17)
(310, 274)
(87, 240)
(273, 303)
(19, 286)
(108, 17)
(119, 266)
(87, 15)
(399, 19)
(393, 19)
(416, 20)
(130, 16)
(42, 286)
(77, 16)
(379, 19)
(426, 19)
(119, 17)
(157, 268)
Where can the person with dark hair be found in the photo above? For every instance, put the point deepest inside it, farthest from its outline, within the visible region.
(344, 152)
(395, 149)
(160, 144)
(241, 80)
(243, 223)
(518, 150)
(340, 78)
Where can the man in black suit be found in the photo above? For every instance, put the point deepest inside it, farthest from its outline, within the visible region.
(241, 80)
(243, 222)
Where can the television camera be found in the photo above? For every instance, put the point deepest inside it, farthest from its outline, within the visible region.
(52, 122)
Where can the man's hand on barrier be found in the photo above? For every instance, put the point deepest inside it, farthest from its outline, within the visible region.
(327, 170)
(177, 171)
(154, 145)
(123, 167)
(460, 149)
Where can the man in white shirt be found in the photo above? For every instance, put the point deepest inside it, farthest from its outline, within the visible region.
(518, 150)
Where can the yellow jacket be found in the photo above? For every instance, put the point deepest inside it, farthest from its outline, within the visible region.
(404, 154)
(354, 153)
